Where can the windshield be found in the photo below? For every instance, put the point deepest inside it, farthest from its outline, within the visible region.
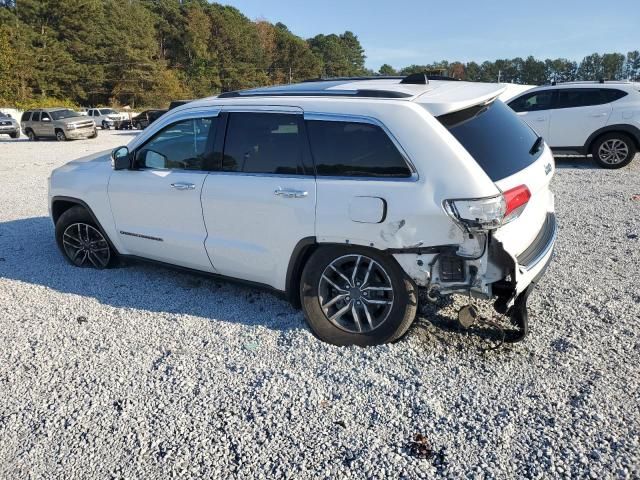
(496, 138)
(60, 114)
(107, 111)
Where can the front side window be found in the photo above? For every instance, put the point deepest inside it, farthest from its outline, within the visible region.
(353, 149)
(263, 143)
(45, 116)
(108, 111)
(533, 102)
(183, 146)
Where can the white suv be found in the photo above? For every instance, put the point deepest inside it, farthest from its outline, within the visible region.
(601, 118)
(345, 195)
(105, 118)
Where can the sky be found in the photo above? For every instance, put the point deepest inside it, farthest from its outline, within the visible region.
(405, 32)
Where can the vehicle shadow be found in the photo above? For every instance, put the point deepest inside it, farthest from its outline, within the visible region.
(13, 140)
(576, 161)
(28, 253)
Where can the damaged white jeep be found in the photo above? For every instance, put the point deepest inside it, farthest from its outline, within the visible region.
(347, 195)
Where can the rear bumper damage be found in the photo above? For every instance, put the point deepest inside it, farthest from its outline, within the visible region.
(484, 268)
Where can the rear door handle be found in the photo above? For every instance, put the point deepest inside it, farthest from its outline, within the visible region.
(183, 186)
(541, 119)
(289, 193)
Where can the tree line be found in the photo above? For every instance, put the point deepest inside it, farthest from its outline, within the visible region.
(149, 52)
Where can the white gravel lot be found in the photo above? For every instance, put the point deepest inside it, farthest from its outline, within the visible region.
(142, 372)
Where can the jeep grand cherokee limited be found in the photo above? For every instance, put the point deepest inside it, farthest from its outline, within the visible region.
(346, 195)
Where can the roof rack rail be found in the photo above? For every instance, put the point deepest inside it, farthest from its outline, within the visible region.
(413, 78)
(316, 93)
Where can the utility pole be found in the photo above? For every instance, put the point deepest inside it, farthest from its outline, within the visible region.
(499, 75)
(290, 76)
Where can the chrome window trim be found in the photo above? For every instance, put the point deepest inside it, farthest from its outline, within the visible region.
(179, 115)
(255, 174)
(338, 117)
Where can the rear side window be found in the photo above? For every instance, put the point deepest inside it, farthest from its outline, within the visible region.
(35, 117)
(586, 97)
(263, 143)
(351, 149)
(496, 138)
(533, 102)
(26, 116)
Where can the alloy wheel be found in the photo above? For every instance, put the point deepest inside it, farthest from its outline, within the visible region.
(86, 246)
(355, 293)
(60, 136)
(613, 151)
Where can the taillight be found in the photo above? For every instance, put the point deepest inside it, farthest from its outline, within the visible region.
(491, 212)
(516, 200)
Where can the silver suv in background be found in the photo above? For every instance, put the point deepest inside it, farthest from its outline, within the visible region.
(59, 123)
(9, 126)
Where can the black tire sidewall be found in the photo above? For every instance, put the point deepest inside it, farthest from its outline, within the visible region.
(614, 136)
(401, 315)
(75, 215)
(64, 137)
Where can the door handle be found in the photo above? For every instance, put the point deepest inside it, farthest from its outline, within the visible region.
(598, 115)
(288, 193)
(183, 186)
(540, 119)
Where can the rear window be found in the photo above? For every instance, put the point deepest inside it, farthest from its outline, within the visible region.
(35, 117)
(496, 138)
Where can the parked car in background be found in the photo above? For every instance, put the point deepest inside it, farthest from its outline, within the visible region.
(105, 118)
(146, 118)
(9, 126)
(59, 123)
(178, 103)
(346, 195)
(598, 118)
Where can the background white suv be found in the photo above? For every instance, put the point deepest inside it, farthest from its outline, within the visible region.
(345, 195)
(601, 118)
(105, 118)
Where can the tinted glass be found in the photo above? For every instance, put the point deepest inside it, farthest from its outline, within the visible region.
(611, 95)
(351, 149)
(533, 102)
(25, 117)
(44, 116)
(585, 97)
(35, 117)
(263, 143)
(107, 111)
(495, 137)
(182, 146)
(60, 114)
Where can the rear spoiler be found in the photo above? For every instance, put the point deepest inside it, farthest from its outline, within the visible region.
(442, 101)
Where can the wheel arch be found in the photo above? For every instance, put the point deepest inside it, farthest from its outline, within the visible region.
(60, 204)
(629, 130)
(301, 253)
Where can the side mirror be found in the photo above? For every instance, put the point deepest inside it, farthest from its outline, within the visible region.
(120, 158)
(46, 119)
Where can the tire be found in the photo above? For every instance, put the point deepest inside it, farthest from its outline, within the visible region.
(137, 126)
(95, 134)
(60, 136)
(81, 241)
(15, 135)
(105, 125)
(613, 150)
(32, 135)
(391, 303)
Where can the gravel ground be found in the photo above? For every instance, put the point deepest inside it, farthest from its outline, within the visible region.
(141, 372)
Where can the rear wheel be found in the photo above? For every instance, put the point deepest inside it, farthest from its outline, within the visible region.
(81, 241)
(613, 150)
(60, 136)
(356, 296)
(31, 135)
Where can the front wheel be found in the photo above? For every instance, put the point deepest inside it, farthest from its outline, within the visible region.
(81, 241)
(105, 125)
(614, 150)
(60, 136)
(15, 135)
(356, 296)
